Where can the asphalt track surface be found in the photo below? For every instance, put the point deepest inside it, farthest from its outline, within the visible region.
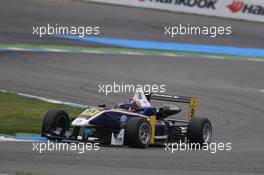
(18, 17)
(228, 92)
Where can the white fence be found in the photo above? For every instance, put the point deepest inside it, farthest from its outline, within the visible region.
(251, 10)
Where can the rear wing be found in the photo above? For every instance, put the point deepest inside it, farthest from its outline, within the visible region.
(192, 101)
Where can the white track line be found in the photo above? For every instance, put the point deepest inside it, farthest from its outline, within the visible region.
(47, 99)
(215, 57)
(11, 139)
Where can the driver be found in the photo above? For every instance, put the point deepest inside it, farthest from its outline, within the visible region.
(135, 106)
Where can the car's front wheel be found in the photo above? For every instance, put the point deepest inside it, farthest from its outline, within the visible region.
(55, 123)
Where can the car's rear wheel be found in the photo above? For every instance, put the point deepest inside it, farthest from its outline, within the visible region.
(199, 131)
(138, 133)
(55, 123)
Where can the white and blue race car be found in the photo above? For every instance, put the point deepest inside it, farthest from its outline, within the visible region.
(135, 124)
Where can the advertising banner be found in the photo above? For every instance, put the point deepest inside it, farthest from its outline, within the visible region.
(251, 10)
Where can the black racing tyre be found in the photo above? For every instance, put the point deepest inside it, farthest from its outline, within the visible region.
(199, 131)
(138, 133)
(53, 120)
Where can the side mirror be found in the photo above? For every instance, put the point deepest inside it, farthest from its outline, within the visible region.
(102, 106)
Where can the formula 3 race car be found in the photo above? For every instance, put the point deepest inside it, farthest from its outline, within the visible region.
(135, 124)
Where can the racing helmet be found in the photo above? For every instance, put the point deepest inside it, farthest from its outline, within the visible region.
(135, 106)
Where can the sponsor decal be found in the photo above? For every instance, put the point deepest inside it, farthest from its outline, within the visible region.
(118, 139)
(123, 120)
(207, 4)
(246, 8)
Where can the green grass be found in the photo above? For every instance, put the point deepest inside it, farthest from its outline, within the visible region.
(20, 114)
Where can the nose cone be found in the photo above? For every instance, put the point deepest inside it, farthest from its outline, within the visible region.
(80, 121)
